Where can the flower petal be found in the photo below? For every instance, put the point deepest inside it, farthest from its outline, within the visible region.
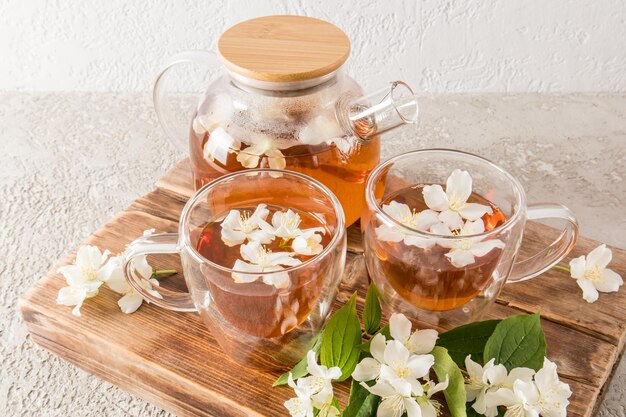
(425, 219)
(474, 211)
(419, 242)
(412, 408)
(428, 410)
(610, 281)
(382, 389)
(395, 352)
(590, 294)
(459, 186)
(69, 296)
(232, 237)
(366, 370)
(501, 397)
(279, 280)
(130, 302)
(482, 248)
(276, 159)
(473, 228)
(113, 275)
(400, 327)
(496, 375)
(600, 256)
(435, 198)
(397, 211)
(422, 341)
(452, 219)
(460, 258)
(386, 233)
(420, 365)
(377, 347)
(247, 160)
(577, 267)
(312, 366)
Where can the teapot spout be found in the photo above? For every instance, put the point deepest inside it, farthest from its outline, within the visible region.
(378, 112)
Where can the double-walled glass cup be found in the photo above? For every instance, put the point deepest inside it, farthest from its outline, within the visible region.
(445, 280)
(258, 324)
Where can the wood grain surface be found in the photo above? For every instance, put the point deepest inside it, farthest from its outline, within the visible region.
(283, 48)
(170, 359)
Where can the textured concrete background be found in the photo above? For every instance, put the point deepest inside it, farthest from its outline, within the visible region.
(439, 46)
(68, 162)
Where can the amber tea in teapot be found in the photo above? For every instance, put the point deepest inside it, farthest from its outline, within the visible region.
(285, 103)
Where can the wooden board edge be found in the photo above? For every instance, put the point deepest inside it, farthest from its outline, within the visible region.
(102, 366)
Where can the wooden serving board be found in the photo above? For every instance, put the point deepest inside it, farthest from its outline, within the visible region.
(171, 360)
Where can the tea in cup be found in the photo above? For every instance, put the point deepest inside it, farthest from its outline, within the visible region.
(442, 231)
(263, 253)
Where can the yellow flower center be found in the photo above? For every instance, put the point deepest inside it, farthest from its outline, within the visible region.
(402, 372)
(594, 274)
(456, 203)
(90, 274)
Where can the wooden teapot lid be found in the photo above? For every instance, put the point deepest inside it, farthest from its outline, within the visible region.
(283, 48)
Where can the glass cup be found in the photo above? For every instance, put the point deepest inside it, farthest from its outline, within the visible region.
(445, 280)
(257, 324)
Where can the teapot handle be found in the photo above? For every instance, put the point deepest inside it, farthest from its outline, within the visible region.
(177, 132)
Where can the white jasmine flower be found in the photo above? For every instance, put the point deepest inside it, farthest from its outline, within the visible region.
(314, 391)
(300, 405)
(546, 395)
(83, 278)
(397, 399)
(219, 145)
(477, 383)
(430, 407)
(418, 342)
(219, 114)
(400, 364)
(251, 156)
(308, 243)
(320, 129)
(369, 368)
(497, 378)
(391, 361)
(286, 225)
(260, 259)
(238, 227)
(403, 214)
(320, 381)
(452, 204)
(464, 250)
(131, 299)
(592, 275)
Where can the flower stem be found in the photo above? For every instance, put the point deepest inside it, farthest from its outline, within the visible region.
(158, 272)
(562, 268)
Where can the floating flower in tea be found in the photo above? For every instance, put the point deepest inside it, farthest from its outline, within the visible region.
(452, 203)
(263, 145)
(239, 226)
(464, 252)
(260, 260)
(401, 213)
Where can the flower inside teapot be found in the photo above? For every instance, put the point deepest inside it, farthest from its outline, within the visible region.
(285, 103)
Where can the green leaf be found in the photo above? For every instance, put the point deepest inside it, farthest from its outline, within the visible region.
(372, 312)
(361, 403)
(341, 339)
(365, 347)
(300, 369)
(517, 341)
(467, 340)
(455, 393)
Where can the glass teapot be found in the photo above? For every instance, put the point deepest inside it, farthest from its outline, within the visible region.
(284, 102)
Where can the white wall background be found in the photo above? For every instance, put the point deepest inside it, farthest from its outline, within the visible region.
(439, 45)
